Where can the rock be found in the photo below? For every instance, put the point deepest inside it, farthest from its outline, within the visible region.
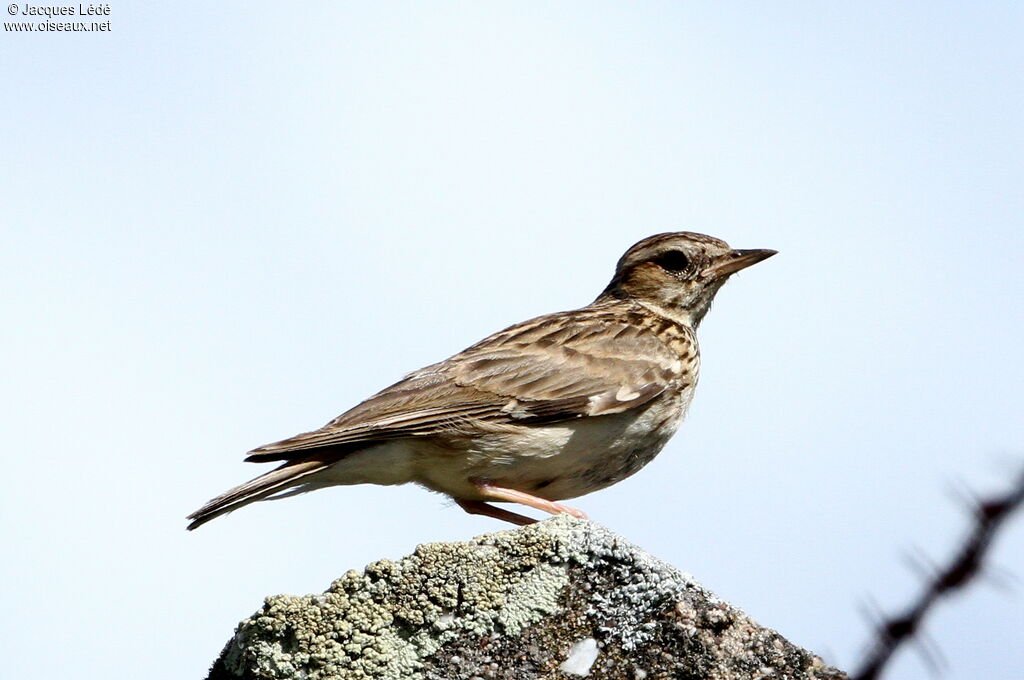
(560, 599)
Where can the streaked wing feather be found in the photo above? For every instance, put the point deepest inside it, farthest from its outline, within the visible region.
(417, 405)
(552, 368)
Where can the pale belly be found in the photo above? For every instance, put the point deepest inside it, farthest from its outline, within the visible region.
(557, 461)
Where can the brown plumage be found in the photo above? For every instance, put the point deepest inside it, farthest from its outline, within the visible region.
(548, 409)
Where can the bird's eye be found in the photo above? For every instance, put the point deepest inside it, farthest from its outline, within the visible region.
(673, 261)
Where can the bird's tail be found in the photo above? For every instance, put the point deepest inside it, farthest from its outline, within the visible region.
(288, 475)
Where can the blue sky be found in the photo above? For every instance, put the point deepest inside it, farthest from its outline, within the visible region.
(223, 226)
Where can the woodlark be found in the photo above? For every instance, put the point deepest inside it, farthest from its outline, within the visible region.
(548, 409)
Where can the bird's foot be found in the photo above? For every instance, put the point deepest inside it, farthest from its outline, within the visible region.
(488, 510)
(499, 493)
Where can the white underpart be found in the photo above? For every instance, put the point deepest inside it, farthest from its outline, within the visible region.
(562, 452)
(581, 657)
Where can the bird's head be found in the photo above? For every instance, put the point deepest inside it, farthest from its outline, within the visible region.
(676, 275)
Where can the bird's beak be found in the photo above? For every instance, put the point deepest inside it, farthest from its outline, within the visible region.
(735, 260)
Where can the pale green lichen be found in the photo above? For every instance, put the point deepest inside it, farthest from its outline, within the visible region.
(533, 597)
(382, 622)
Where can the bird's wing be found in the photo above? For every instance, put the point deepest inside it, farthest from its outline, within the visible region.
(559, 367)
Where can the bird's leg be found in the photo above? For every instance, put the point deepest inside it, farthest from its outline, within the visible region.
(481, 508)
(499, 493)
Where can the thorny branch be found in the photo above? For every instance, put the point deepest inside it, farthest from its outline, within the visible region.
(989, 516)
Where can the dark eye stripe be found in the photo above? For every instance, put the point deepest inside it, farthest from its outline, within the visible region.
(673, 261)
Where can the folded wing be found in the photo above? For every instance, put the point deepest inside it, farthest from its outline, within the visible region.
(553, 368)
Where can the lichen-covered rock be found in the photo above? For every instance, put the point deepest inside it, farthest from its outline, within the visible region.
(561, 599)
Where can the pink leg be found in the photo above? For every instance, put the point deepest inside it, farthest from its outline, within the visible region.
(499, 493)
(481, 508)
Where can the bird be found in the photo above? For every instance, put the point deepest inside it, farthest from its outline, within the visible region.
(546, 410)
